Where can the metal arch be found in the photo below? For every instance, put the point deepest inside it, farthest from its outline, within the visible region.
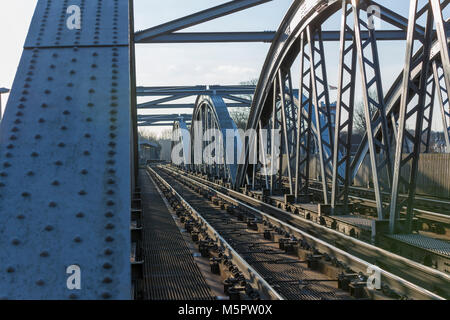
(294, 23)
(290, 40)
(211, 112)
(181, 137)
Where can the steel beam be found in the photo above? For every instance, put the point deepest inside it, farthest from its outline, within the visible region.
(371, 78)
(416, 111)
(212, 37)
(344, 111)
(65, 149)
(197, 18)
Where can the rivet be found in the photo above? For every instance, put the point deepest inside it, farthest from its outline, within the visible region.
(73, 296)
(20, 217)
(110, 203)
(68, 98)
(30, 173)
(108, 252)
(109, 226)
(61, 145)
(110, 192)
(107, 265)
(86, 153)
(77, 239)
(38, 136)
(107, 280)
(109, 214)
(41, 120)
(40, 282)
(15, 242)
(109, 239)
(10, 270)
(52, 204)
(48, 228)
(106, 295)
(25, 194)
(58, 163)
(82, 193)
(34, 155)
(44, 105)
(80, 215)
(44, 254)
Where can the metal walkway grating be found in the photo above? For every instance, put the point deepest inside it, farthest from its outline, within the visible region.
(170, 272)
(434, 245)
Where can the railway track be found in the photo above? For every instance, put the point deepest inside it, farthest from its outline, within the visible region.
(423, 205)
(329, 248)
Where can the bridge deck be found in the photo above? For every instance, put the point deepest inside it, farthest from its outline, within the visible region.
(170, 272)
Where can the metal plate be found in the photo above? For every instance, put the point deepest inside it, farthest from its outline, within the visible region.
(65, 168)
(49, 25)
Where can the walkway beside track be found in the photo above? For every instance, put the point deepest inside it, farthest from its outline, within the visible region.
(170, 272)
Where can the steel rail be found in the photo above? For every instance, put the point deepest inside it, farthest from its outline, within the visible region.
(251, 274)
(427, 277)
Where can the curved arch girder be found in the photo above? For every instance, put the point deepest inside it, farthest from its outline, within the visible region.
(216, 143)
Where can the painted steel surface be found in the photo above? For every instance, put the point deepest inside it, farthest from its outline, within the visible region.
(65, 179)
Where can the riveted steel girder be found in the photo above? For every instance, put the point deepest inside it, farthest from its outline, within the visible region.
(65, 182)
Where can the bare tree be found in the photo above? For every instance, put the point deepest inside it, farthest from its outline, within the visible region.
(240, 117)
(359, 117)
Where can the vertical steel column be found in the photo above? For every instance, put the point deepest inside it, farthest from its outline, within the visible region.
(418, 90)
(285, 128)
(428, 115)
(304, 117)
(443, 98)
(321, 105)
(369, 64)
(345, 104)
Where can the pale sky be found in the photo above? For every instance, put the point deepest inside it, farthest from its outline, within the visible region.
(197, 64)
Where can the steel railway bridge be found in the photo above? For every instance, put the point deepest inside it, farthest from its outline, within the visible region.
(73, 195)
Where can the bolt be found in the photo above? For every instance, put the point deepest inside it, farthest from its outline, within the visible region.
(80, 215)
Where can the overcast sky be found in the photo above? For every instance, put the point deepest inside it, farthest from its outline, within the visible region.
(192, 64)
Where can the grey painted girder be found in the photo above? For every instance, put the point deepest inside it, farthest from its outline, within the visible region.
(344, 110)
(321, 106)
(410, 108)
(65, 182)
(209, 37)
(197, 18)
(371, 78)
(444, 105)
(304, 123)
